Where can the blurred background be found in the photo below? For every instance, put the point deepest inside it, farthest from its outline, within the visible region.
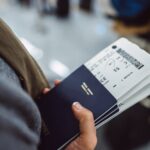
(63, 34)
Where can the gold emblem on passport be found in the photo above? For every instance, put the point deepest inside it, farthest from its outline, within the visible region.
(86, 89)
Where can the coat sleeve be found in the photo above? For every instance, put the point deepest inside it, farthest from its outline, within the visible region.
(20, 121)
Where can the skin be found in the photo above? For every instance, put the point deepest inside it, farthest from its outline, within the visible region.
(87, 139)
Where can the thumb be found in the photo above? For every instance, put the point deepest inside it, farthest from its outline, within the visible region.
(86, 121)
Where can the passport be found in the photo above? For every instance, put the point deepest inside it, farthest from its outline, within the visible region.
(108, 84)
(55, 106)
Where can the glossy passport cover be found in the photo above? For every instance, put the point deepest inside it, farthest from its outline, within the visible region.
(55, 107)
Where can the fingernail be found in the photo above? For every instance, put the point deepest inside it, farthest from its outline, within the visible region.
(77, 106)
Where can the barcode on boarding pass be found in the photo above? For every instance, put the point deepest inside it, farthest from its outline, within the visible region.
(130, 58)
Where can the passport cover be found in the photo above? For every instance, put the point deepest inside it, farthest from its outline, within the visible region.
(55, 106)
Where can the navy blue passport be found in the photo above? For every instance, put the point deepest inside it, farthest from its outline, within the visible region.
(60, 125)
(112, 111)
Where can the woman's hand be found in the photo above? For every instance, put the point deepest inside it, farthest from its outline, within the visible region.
(87, 139)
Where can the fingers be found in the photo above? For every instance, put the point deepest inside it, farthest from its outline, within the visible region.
(57, 82)
(46, 90)
(87, 127)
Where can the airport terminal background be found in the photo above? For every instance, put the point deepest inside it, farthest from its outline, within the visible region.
(60, 45)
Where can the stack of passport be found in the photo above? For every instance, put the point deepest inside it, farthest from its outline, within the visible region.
(112, 81)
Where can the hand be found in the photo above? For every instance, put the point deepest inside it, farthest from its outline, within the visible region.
(87, 139)
(46, 90)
